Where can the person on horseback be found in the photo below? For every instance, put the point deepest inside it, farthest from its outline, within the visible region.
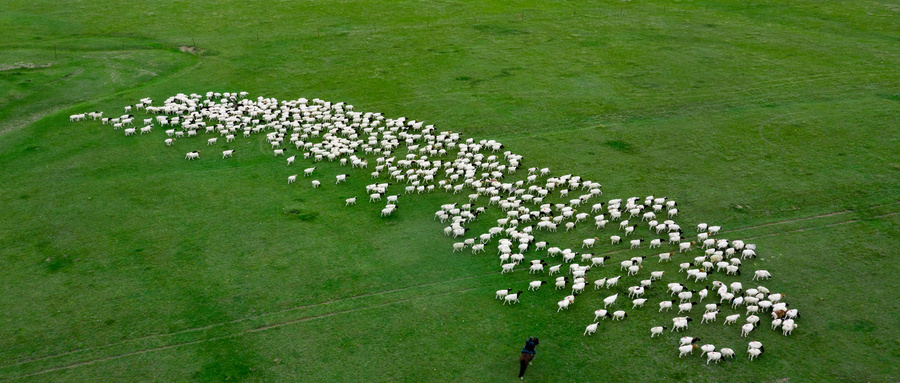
(528, 354)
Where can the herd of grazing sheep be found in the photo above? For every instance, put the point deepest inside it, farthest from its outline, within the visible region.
(423, 160)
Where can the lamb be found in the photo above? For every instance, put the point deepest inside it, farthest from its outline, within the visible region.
(292, 178)
(308, 171)
(192, 155)
(707, 348)
(129, 131)
(316, 184)
(343, 178)
(591, 328)
(619, 315)
(615, 239)
(227, 153)
(502, 293)
(658, 330)
(713, 356)
(170, 141)
(350, 201)
(290, 160)
(761, 274)
(279, 151)
(588, 242)
(211, 141)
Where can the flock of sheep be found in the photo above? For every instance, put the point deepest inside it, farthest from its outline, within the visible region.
(416, 158)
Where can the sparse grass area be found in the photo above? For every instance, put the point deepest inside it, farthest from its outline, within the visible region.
(123, 262)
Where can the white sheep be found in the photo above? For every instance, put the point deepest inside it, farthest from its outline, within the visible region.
(192, 155)
(534, 285)
(746, 329)
(731, 319)
(512, 298)
(610, 300)
(316, 184)
(350, 201)
(591, 328)
(686, 349)
(761, 274)
(658, 330)
(227, 153)
(619, 315)
(727, 352)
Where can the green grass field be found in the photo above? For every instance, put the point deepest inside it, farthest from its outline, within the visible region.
(122, 262)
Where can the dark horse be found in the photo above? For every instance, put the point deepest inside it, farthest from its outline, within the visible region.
(528, 353)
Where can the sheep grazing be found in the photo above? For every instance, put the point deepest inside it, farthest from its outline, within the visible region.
(315, 183)
(658, 330)
(713, 356)
(502, 293)
(707, 348)
(755, 352)
(727, 352)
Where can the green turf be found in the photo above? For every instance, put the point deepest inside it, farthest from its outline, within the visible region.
(121, 261)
